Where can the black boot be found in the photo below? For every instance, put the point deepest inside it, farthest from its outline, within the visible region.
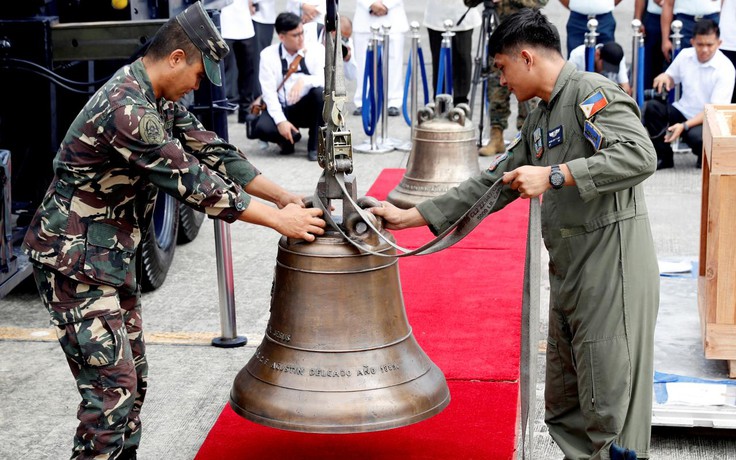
(128, 454)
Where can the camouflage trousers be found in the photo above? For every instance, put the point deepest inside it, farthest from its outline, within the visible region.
(101, 333)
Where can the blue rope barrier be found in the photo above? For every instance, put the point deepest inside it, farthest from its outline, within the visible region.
(441, 72)
(372, 93)
(640, 77)
(448, 72)
(407, 80)
(424, 76)
(590, 58)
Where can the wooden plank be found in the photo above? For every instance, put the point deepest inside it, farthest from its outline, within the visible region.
(702, 309)
(726, 253)
(732, 369)
(710, 267)
(720, 341)
(719, 138)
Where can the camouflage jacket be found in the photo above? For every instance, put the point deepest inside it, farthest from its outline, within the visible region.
(122, 147)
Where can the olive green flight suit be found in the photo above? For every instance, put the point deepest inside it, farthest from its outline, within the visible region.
(603, 271)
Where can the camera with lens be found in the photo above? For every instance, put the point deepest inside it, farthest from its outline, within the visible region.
(653, 94)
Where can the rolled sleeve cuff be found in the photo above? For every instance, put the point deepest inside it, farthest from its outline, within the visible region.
(230, 214)
(245, 175)
(583, 179)
(436, 220)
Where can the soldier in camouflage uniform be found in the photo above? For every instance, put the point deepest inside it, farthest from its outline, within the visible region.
(129, 140)
(498, 95)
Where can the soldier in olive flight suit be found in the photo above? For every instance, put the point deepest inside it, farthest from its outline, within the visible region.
(585, 148)
(129, 140)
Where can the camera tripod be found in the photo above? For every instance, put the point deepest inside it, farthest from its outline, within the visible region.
(482, 62)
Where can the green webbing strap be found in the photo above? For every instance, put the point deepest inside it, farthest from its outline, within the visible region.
(529, 327)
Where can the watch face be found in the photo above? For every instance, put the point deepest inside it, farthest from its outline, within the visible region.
(557, 179)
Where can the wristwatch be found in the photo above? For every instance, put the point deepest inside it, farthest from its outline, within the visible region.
(556, 177)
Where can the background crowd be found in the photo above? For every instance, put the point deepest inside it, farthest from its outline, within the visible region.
(249, 28)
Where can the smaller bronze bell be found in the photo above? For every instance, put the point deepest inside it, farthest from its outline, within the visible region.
(443, 153)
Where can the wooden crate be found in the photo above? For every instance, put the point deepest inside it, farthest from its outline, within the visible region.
(717, 271)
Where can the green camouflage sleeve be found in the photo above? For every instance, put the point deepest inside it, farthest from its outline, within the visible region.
(138, 135)
(210, 149)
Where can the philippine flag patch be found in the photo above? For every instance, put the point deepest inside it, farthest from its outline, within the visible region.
(594, 104)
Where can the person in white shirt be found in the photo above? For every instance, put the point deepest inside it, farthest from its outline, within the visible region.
(263, 13)
(350, 68)
(706, 76)
(649, 12)
(688, 12)
(298, 103)
(381, 12)
(609, 62)
(312, 13)
(728, 35)
(581, 11)
(240, 64)
(436, 13)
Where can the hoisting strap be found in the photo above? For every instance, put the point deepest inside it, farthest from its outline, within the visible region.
(462, 227)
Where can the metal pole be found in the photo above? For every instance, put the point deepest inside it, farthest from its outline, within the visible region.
(223, 249)
(225, 288)
(636, 36)
(677, 46)
(591, 37)
(413, 84)
(447, 44)
(371, 146)
(676, 36)
(386, 30)
(376, 40)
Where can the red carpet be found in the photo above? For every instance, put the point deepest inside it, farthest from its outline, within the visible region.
(464, 306)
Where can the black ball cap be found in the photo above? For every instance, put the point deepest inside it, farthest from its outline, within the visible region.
(202, 32)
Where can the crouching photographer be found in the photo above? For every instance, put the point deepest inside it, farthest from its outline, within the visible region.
(707, 77)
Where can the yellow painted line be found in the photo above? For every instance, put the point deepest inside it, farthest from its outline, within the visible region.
(169, 338)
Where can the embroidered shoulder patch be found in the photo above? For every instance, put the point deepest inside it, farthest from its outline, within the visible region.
(514, 141)
(498, 161)
(593, 134)
(151, 129)
(593, 104)
(538, 142)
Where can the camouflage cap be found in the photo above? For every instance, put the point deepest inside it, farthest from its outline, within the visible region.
(205, 36)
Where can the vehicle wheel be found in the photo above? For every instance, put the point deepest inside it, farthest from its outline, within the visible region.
(157, 250)
(189, 222)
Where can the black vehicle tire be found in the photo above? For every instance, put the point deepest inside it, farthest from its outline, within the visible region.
(157, 249)
(189, 222)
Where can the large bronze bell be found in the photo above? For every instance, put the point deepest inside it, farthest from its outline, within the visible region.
(443, 153)
(338, 355)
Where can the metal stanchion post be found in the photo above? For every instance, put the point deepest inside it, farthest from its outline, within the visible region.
(213, 109)
(636, 40)
(413, 84)
(226, 289)
(677, 46)
(676, 36)
(591, 37)
(372, 146)
(385, 141)
(447, 45)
